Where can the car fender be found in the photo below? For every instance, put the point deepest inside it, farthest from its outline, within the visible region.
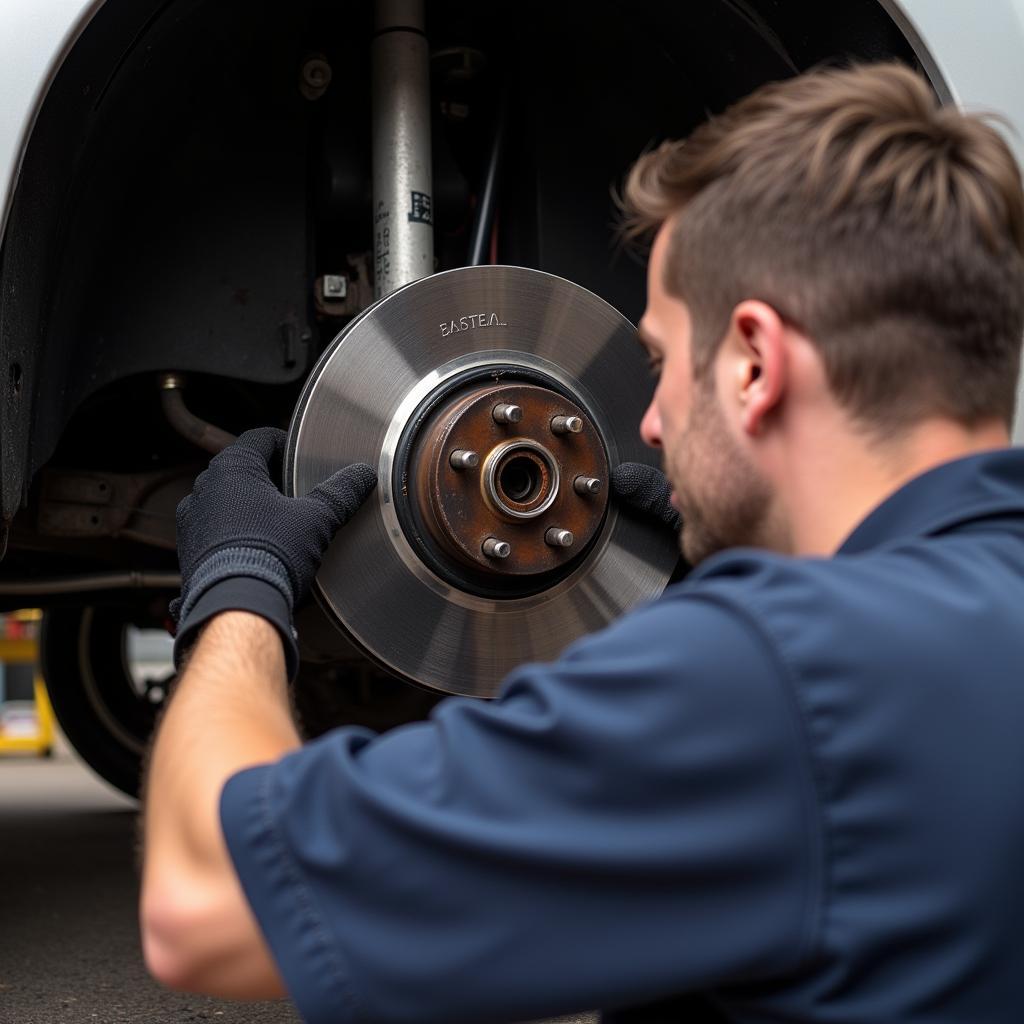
(36, 37)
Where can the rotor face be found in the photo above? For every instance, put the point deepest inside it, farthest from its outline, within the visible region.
(493, 402)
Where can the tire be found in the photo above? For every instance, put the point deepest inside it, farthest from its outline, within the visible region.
(105, 715)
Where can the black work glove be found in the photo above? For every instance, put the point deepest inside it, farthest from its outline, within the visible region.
(648, 491)
(243, 545)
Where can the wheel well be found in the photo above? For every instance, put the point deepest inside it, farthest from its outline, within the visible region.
(179, 194)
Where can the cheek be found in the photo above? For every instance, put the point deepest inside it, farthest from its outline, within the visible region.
(673, 402)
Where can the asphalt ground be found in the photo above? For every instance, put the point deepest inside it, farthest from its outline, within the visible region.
(69, 940)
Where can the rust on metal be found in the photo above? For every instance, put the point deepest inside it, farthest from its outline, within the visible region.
(523, 485)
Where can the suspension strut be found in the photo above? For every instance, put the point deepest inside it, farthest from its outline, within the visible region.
(402, 188)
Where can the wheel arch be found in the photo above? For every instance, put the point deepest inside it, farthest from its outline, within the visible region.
(82, 305)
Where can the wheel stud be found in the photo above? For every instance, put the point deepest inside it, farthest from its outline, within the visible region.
(494, 548)
(505, 413)
(464, 459)
(586, 485)
(566, 425)
(559, 538)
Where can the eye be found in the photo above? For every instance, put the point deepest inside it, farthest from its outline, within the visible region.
(654, 366)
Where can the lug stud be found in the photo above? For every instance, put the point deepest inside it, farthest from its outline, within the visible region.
(559, 538)
(586, 485)
(566, 425)
(494, 548)
(505, 413)
(463, 459)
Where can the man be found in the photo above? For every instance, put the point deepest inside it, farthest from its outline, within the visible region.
(790, 789)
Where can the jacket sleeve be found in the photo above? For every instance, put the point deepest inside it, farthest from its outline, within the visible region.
(634, 820)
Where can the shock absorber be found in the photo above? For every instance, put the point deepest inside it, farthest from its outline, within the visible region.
(402, 188)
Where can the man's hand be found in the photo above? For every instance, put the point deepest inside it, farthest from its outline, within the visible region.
(243, 545)
(648, 491)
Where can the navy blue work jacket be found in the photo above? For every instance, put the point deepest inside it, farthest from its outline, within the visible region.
(788, 790)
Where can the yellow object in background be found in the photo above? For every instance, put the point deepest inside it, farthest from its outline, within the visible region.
(26, 726)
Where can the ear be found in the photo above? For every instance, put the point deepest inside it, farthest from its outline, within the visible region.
(757, 370)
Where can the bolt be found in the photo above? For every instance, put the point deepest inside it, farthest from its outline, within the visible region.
(504, 413)
(494, 548)
(566, 425)
(335, 286)
(464, 460)
(586, 485)
(559, 538)
(314, 76)
(316, 73)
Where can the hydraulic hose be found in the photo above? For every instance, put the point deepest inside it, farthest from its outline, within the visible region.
(96, 581)
(487, 200)
(198, 431)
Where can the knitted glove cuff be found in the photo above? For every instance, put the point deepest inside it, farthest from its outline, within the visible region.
(240, 593)
(226, 563)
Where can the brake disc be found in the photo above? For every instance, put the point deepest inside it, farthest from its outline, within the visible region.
(493, 402)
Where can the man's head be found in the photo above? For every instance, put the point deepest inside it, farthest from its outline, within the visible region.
(838, 244)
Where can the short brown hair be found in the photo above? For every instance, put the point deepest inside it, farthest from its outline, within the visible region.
(888, 228)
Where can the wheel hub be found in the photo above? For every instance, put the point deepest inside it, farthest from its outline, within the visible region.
(491, 477)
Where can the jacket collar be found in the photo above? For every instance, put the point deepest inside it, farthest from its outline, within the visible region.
(982, 486)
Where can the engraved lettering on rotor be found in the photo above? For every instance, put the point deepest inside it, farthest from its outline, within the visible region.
(470, 323)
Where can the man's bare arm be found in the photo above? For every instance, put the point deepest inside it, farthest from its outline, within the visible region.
(248, 555)
(230, 710)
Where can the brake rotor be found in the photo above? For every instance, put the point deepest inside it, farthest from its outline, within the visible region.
(493, 401)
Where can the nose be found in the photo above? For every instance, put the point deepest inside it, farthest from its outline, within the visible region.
(650, 427)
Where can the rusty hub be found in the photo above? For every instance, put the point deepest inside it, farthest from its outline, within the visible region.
(493, 473)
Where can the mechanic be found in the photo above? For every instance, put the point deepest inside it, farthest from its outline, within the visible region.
(792, 788)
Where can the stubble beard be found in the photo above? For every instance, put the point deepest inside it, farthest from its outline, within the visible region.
(724, 501)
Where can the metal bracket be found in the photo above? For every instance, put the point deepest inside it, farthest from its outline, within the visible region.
(128, 506)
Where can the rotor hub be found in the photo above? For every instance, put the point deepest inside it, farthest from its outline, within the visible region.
(490, 476)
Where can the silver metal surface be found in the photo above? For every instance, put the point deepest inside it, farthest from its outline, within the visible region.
(566, 425)
(494, 492)
(355, 408)
(494, 548)
(586, 485)
(464, 460)
(402, 190)
(559, 538)
(507, 413)
(335, 286)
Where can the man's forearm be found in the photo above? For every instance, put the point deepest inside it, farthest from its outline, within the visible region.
(230, 710)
